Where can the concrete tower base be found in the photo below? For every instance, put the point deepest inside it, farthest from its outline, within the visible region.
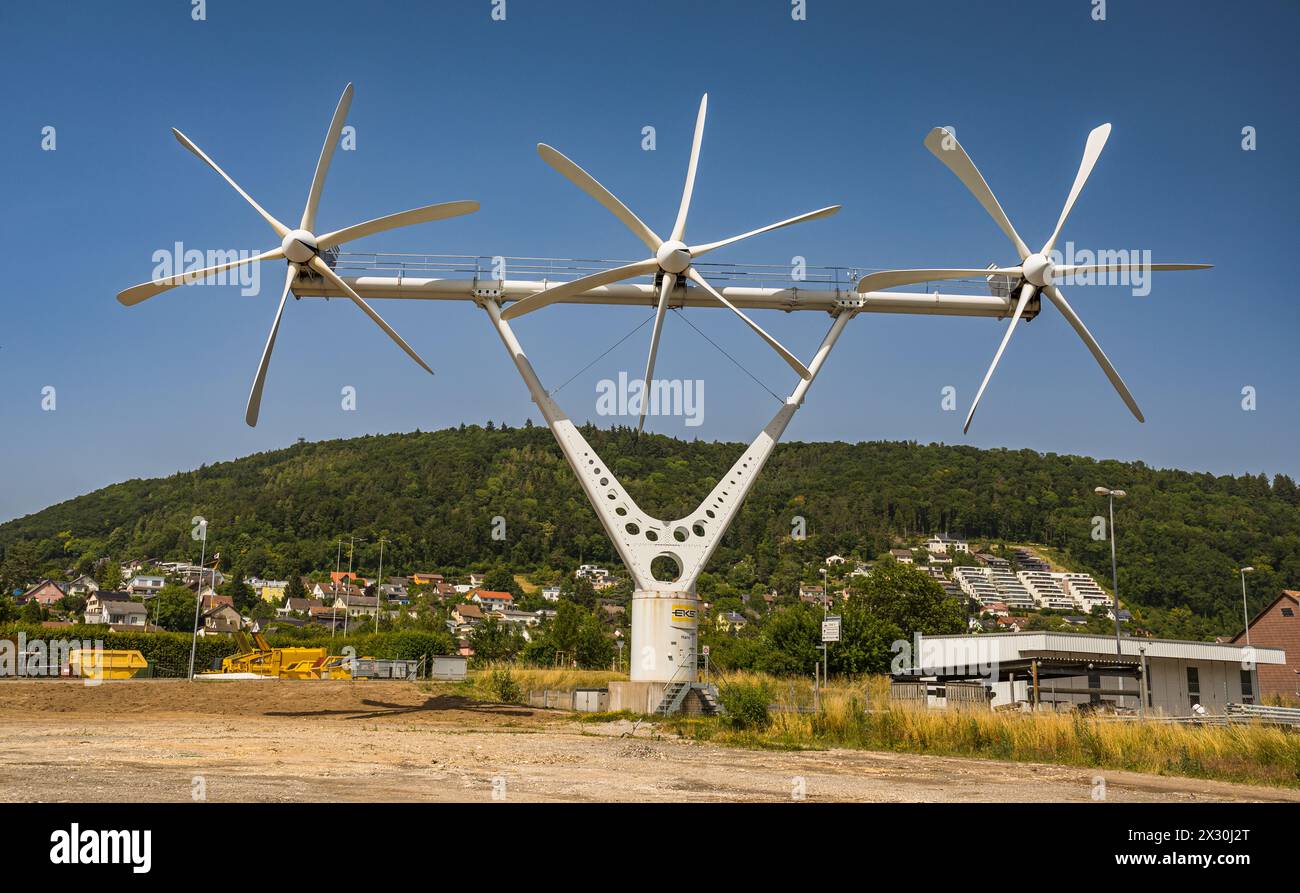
(665, 636)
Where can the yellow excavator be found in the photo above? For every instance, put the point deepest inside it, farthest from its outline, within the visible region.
(258, 658)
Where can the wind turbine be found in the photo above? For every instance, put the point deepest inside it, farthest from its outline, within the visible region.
(301, 247)
(1036, 272)
(672, 258)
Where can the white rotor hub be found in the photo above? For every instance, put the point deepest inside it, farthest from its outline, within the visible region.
(1038, 270)
(673, 257)
(299, 246)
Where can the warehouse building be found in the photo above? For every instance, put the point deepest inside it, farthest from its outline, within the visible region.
(1085, 671)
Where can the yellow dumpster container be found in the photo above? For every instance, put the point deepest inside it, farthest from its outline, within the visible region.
(89, 663)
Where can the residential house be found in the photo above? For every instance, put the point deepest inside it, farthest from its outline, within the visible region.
(491, 600)
(82, 586)
(942, 544)
(1277, 626)
(338, 578)
(991, 560)
(551, 593)
(220, 620)
(731, 622)
(814, 594)
(45, 593)
(210, 600)
(115, 608)
(476, 580)
(358, 605)
(325, 615)
(467, 615)
(268, 590)
(145, 586)
(835, 559)
(298, 606)
(426, 579)
(902, 556)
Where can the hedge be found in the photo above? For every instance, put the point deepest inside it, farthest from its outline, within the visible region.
(169, 653)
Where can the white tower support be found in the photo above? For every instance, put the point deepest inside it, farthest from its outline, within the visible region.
(665, 558)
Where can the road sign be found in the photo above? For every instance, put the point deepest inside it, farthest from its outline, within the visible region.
(831, 628)
(705, 650)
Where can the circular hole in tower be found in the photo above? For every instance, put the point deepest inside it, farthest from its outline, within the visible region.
(632, 528)
(652, 536)
(680, 534)
(665, 568)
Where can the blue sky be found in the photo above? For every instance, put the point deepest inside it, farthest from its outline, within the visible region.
(450, 104)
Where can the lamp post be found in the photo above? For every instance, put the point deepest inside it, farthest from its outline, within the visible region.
(1245, 614)
(1111, 496)
(379, 585)
(198, 601)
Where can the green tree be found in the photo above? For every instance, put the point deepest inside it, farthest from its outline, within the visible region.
(909, 600)
(174, 608)
(109, 577)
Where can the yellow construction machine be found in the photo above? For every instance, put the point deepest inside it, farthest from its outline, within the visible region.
(258, 658)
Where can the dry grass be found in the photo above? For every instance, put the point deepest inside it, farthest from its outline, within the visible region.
(478, 683)
(858, 714)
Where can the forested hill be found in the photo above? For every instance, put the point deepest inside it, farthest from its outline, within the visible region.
(1181, 535)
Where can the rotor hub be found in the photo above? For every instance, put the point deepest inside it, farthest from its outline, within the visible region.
(1038, 270)
(673, 256)
(299, 246)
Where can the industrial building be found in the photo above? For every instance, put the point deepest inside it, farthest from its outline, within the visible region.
(1048, 668)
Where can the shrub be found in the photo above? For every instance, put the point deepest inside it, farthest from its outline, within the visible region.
(746, 704)
(504, 687)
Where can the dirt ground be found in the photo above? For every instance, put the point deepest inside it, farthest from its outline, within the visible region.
(339, 741)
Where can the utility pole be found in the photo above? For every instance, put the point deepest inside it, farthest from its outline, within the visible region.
(1245, 613)
(380, 582)
(338, 563)
(198, 600)
(1111, 496)
(347, 586)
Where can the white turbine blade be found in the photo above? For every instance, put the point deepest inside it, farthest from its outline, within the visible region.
(577, 287)
(1057, 298)
(326, 154)
(665, 289)
(137, 293)
(323, 268)
(772, 342)
(1026, 292)
(255, 395)
(944, 146)
(1091, 152)
(393, 221)
(1073, 269)
(280, 228)
(679, 228)
(699, 250)
(893, 278)
(588, 184)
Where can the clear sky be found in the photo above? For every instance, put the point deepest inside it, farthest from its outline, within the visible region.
(450, 105)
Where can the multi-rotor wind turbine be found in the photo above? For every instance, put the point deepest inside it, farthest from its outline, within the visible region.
(302, 248)
(664, 624)
(672, 259)
(1036, 273)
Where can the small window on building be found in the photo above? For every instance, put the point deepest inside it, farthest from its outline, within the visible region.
(1193, 686)
(1247, 687)
(1287, 612)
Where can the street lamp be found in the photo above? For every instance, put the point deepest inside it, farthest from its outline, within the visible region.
(198, 603)
(1245, 615)
(1111, 496)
